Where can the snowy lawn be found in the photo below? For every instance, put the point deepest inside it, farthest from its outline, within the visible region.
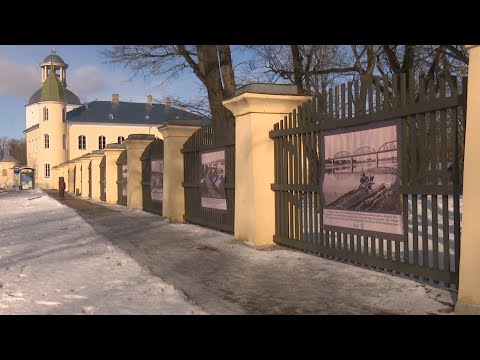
(53, 262)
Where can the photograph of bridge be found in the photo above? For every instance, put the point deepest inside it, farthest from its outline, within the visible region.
(212, 180)
(361, 178)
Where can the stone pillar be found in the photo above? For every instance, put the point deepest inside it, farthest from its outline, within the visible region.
(71, 175)
(55, 176)
(469, 272)
(135, 144)
(85, 162)
(63, 172)
(96, 157)
(112, 152)
(66, 174)
(78, 177)
(257, 107)
(174, 136)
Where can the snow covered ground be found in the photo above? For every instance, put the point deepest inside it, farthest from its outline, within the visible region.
(53, 262)
(46, 270)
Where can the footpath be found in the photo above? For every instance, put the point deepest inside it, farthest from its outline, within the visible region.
(224, 276)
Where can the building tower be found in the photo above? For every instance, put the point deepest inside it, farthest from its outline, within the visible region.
(46, 132)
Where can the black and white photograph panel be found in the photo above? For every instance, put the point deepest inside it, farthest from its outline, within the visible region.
(361, 170)
(361, 179)
(212, 179)
(156, 180)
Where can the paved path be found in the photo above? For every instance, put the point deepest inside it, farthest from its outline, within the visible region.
(224, 276)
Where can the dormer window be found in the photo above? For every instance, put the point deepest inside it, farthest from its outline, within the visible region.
(110, 116)
(147, 117)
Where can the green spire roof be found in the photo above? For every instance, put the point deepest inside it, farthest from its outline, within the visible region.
(52, 88)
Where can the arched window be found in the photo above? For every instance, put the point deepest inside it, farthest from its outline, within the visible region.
(47, 141)
(47, 170)
(82, 142)
(121, 139)
(45, 113)
(101, 142)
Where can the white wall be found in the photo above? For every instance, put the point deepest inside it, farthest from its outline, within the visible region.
(31, 115)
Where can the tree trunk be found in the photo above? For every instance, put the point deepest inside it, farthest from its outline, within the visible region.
(297, 68)
(226, 67)
(208, 57)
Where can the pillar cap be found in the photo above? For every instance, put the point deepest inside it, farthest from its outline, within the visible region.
(140, 137)
(264, 103)
(264, 88)
(115, 146)
(97, 153)
(178, 122)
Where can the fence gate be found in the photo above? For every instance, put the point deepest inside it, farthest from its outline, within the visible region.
(152, 177)
(209, 175)
(122, 178)
(103, 182)
(431, 117)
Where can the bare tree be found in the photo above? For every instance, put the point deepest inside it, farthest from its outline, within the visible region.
(14, 147)
(211, 64)
(3, 146)
(18, 150)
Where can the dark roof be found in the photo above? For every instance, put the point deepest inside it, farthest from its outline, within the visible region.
(54, 58)
(127, 113)
(70, 97)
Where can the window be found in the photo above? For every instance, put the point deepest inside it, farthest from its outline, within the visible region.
(121, 139)
(64, 115)
(47, 141)
(45, 114)
(64, 141)
(4, 172)
(101, 142)
(47, 170)
(82, 142)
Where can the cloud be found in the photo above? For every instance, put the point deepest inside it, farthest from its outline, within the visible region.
(85, 80)
(119, 79)
(18, 79)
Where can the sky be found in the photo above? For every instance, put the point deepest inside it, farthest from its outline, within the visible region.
(88, 76)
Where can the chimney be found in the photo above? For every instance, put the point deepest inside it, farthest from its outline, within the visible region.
(149, 100)
(168, 102)
(115, 99)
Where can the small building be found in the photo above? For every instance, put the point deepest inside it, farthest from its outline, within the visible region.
(7, 176)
